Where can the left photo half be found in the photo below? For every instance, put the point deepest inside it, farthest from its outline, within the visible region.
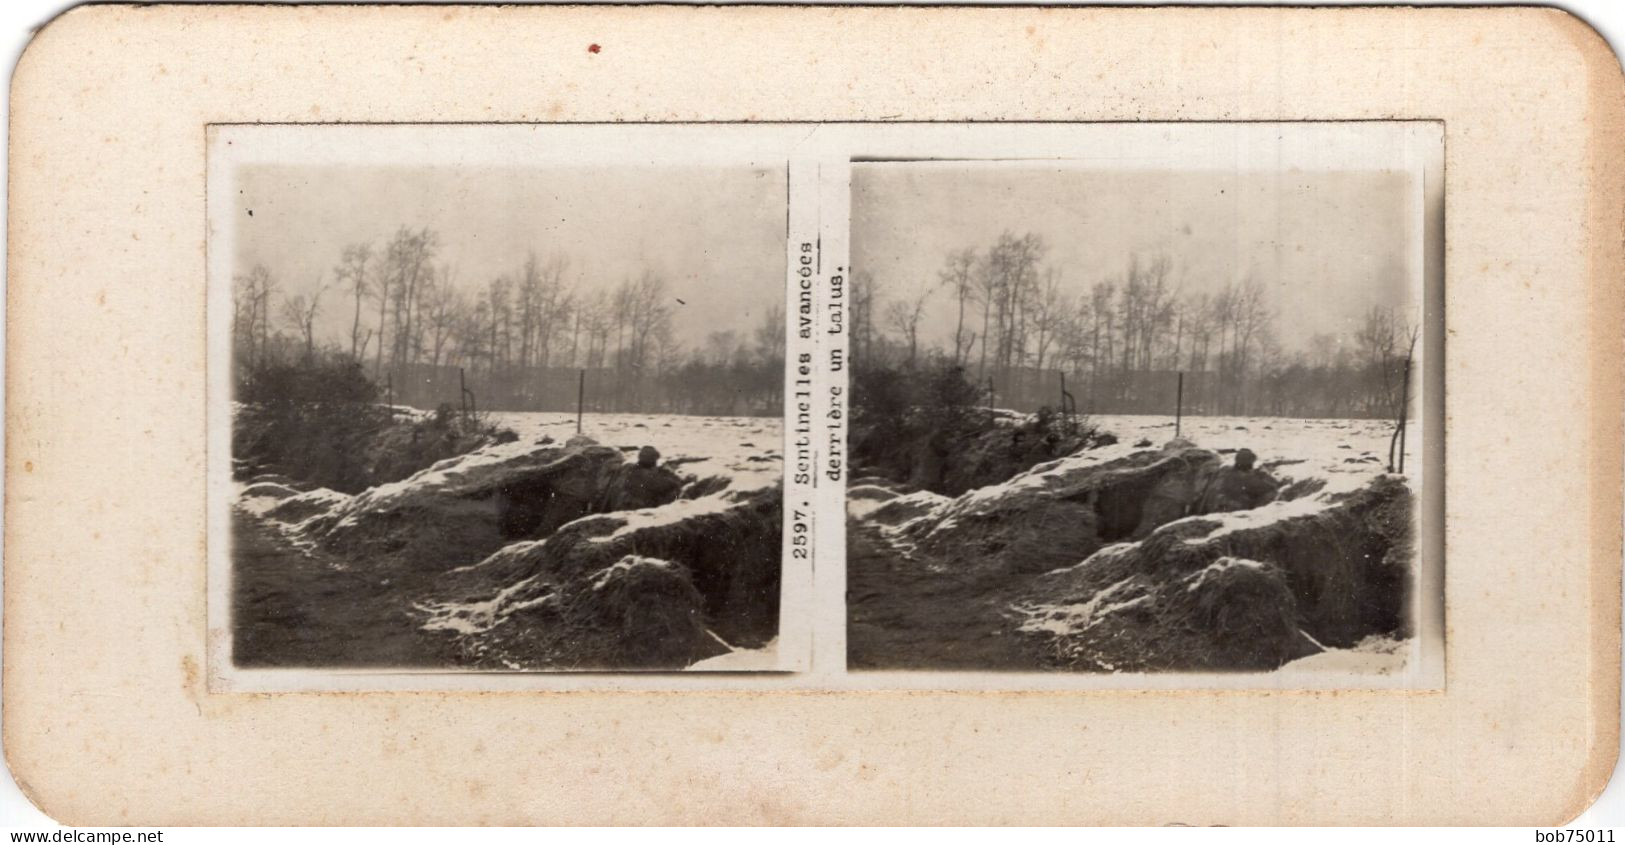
(499, 402)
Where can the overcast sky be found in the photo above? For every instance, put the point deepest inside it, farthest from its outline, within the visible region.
(717, 234)
(1325, 245)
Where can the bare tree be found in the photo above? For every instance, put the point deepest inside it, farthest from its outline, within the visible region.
(352, 271)
(1100, 311)
(649, 315)
(862, 285)
(721, 347)
(959, 275)
(556, 306)
(597, 322)
(528, 304)
(407, 261)
(1049, 314)
(445, 309)
(381, 290)
(1251, 314)
(300, 313)
(621, 307)
(251, 312)
(770, 334)
(1009, 279)
(1197, 311)
(904, 315)
(499, 311)
(1378, 340)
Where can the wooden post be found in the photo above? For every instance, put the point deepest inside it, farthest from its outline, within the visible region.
(1069, 405)
(1398, 439)
(581, 395)
(1179, 404)
(466, 396)
(1404, 407)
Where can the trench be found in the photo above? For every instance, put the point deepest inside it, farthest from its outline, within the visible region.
(732, 559)
(1341, 572)
(384, 566)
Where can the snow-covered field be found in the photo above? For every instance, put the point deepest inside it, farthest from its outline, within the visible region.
(1344, 452)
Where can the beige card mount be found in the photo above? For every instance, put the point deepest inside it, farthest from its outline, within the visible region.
(604, 518)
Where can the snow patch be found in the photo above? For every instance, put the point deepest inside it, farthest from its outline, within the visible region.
(625, 566)
(740, 659)
(671, 514)
(1218, 568)
(258, 505)
(1374, 655)
(478, 617)
(1064, 619)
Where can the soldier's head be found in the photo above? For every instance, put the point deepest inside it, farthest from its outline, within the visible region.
(1245, 459)
(648, 456)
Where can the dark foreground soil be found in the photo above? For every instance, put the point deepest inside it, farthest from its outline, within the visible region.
(938, 620)
(293, 609)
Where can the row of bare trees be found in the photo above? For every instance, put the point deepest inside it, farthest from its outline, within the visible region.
(518, 338)
(1121, 340)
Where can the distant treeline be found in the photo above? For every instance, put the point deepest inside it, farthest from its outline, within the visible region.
(517, 342)
(1121, 344)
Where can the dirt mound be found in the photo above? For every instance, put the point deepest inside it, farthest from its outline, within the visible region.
(904, 509)
(267, 490)
(947, 446)
(995, 454)
(1061, 512)
(632, 486)
(1347, 557)
(728, 548)
(638, 612)
(863, 499)
(870, 493)
(647, 613)
(878, 481)
(408, 446)
(1336, 568)
(1125, 558)
(460, 510)
(275, 478)
(348, 446)
(303, 506)
(702, 487)
(1234, 614)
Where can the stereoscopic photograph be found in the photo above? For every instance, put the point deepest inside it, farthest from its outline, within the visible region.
(667, 414)
(1135, 419)
(498, 416)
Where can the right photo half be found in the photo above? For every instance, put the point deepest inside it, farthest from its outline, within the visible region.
(1136, 419)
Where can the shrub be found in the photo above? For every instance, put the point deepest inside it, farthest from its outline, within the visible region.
(949, 401)
(314, 382)
(926, 426)
(318, 421)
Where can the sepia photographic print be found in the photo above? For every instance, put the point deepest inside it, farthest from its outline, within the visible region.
(495, 413)
(828, 406)
(1158, 409)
